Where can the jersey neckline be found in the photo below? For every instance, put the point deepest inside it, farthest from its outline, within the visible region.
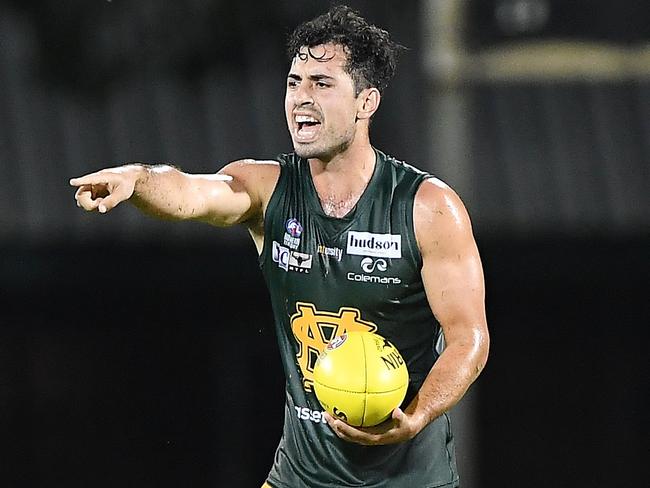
(362, 202)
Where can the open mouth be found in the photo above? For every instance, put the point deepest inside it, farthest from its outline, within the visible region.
(308, 127)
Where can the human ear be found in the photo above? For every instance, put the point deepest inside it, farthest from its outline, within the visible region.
(369, 99)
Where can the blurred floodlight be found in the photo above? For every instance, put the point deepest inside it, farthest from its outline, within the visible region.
(522, 16)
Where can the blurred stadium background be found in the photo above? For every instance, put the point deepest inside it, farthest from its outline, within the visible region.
(139, 353)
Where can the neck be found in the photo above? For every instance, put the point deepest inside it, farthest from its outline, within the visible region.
(341, 181)
(357, 159)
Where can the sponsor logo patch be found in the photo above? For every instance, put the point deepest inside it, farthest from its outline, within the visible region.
(299, 261)
(330, 252)
(294, 228)
(292, 242)
(306, 413)
(293, 232)
(370, 266)
(289, 260)
(281, 256)
(374, 245)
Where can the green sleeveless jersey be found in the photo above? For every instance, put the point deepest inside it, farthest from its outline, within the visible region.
(328, 275)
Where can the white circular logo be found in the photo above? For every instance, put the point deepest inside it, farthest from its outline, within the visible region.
(368, 265)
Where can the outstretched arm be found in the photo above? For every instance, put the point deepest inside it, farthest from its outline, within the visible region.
(453, 279)
(236, 194)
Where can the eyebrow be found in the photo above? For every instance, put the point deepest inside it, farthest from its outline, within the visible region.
(314, 77)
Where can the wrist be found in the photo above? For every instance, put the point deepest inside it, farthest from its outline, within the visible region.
(141, 174)
(420, 418)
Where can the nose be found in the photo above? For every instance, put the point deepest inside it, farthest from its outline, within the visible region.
(303, 95)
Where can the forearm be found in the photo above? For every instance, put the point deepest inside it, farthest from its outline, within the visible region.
(449, 379)
(165, 192)
(161, 191)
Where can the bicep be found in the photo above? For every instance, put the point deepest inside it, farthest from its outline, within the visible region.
(223, 199)
(455, 289)
(452, 272)
(235, 194)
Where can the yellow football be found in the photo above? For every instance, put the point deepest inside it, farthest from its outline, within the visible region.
(360, 378)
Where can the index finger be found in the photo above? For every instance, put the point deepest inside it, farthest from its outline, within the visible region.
(91, 179)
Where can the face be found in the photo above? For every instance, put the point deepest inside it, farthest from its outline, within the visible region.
(320, 104)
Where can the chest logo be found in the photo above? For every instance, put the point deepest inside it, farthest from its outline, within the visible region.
(330, 252)
(293, 231)
(375, 245)
(373, 270)
(289, 260)
(294, 228)
(313, 329)
(368, 265)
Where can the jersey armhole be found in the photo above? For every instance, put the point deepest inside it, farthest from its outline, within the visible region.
(410, 223)
(270, 209)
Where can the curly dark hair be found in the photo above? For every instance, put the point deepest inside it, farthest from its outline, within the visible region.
(372, 55)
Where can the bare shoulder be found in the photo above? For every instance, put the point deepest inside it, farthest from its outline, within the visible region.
(253, 173)
(440, 217)
(256, 177)
(252, 167)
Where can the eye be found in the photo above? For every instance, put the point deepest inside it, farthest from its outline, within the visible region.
(322, 84)
(292, 83)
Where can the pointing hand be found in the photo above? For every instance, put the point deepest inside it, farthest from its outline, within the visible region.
(105, 189)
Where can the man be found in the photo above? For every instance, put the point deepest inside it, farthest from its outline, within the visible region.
(348, 239)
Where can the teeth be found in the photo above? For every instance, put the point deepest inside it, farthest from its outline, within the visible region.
(301, 119)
